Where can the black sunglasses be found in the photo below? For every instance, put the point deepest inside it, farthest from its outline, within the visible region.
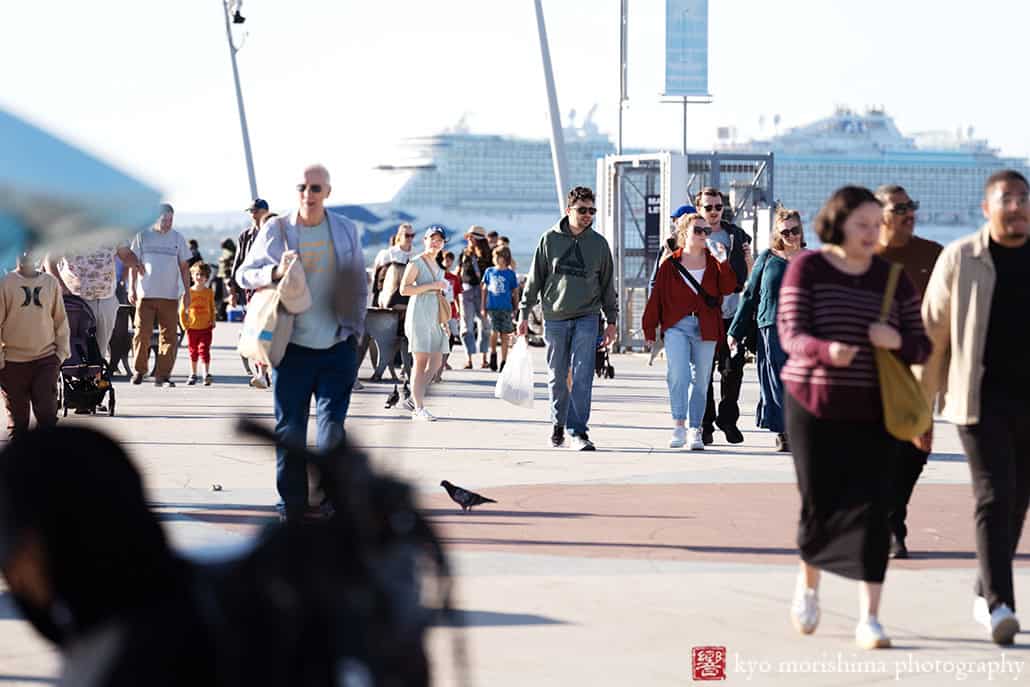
(702, 230)
(793, 231)
(314, 188)
(586, 211)
(902, 208)
(710, 208)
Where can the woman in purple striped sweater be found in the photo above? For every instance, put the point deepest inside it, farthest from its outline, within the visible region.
(828, 322)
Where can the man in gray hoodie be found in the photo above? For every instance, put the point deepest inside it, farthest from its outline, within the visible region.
(572, 275)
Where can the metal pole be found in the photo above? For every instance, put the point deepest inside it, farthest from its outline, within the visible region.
(684, 126)
(239, 103)
(557, 137)
(622, 65)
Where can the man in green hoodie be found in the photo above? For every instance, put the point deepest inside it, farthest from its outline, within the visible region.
(572, 275)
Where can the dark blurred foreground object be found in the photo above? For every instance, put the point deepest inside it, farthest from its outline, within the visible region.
(331, 602)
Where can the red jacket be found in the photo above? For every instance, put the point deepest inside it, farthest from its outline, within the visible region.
(672, 299)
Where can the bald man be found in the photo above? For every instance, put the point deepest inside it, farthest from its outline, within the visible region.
(321, 358)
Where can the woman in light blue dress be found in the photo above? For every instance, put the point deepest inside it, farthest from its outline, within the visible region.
(423, 281)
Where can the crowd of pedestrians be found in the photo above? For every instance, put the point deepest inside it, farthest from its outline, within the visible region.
(813, 320)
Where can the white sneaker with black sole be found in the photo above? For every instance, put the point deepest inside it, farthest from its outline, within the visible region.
(409, 403)
(696, 441)
(581, 442)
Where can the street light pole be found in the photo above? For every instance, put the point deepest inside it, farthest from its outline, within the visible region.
(239, 102)
(557, 136)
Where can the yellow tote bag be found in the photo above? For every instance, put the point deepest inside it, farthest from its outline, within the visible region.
(906, 413)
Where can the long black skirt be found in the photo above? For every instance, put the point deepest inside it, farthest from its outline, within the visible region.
(842, 476)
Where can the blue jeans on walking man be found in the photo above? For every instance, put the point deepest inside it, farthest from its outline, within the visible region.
(689, 366)
(328, 375)
(571, 343)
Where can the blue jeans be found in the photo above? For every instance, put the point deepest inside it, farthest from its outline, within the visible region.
(689, 367)
(571, 342)
(329, 375)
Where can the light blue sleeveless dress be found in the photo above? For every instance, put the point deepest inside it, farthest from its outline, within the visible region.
(425, 334)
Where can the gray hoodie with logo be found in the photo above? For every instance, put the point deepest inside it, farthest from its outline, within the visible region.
(571, 276)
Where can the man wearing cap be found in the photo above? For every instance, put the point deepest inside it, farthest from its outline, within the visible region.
(154, 288)
(573, 276)
(321, 357)
(258, 210)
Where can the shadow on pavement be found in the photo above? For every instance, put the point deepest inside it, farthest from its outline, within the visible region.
(498, 619)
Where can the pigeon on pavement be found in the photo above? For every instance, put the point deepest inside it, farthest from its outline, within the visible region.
(393, 398)
(464, 498)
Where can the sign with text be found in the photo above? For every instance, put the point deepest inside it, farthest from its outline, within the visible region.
(652, 229)
(686, 48)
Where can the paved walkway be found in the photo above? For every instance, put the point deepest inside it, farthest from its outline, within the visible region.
(602, 568)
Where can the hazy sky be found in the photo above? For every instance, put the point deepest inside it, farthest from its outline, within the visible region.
(148, 84)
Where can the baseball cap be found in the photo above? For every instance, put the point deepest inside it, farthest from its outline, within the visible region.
(258, 204)
(684, 210)
(433, 230)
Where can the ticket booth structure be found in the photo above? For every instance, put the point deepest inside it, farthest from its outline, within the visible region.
(636, 196)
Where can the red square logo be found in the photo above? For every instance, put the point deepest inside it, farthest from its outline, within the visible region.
(709, 662)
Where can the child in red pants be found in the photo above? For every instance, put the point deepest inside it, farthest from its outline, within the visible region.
(199, 322)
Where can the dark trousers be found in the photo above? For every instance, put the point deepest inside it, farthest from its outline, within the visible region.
(731, 376)
(998, 449)
(328, 375)
(30, 385)
(905, 466)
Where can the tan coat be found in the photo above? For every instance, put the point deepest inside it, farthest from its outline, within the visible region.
(956, 310)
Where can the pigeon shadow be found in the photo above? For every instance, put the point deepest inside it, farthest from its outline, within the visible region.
(468, 618)
(486, 511)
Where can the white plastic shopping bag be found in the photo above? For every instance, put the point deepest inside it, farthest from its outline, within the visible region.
(515, 383)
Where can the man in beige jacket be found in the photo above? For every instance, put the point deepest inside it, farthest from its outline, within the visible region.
(975, 314)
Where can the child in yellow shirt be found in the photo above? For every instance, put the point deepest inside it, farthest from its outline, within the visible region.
(199, 322)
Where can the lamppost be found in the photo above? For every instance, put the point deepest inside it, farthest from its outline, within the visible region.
(558, 157)
(232, 16)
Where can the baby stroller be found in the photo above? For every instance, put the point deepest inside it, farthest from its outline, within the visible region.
(602, 362)
(85, 377)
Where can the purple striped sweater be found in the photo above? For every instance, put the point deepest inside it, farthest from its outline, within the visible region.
(819, 304)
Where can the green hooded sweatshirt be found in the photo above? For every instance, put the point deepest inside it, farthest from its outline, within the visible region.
(571, 275)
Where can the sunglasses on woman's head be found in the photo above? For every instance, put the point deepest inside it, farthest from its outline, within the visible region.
(793, 231)
(314, 188)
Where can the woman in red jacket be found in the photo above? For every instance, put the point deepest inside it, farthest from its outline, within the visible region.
(687, 302)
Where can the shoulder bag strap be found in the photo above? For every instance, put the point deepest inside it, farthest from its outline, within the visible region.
(693, 282)
(888, 293)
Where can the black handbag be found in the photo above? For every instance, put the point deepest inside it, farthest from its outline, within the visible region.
(710, 301)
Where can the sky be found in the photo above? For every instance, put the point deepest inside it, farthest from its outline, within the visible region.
(148, 85)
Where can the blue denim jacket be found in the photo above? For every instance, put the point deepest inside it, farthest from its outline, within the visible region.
(352, 298)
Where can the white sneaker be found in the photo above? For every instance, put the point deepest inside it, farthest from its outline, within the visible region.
(679, 437)
(697, 442)
(982, 612)
(1004, 625)
(258, 382)
(581, 442)
(869, 634)
(804, 610)
(423, 415)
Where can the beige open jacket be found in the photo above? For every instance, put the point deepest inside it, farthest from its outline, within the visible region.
(956, 310)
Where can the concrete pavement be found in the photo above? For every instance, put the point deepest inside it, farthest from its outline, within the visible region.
(601, 568)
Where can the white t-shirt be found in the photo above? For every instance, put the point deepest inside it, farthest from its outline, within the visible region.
(161, 256)
(696, 274)
(398, 254)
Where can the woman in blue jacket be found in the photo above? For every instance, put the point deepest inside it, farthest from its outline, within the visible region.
(755, 320)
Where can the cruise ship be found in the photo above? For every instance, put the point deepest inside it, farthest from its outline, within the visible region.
(944, 171)
(457, 178)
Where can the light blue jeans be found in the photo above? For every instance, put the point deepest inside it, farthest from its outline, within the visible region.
(571, 343)
(689, 367)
